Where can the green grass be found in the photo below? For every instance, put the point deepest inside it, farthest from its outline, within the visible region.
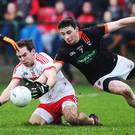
(118, 118)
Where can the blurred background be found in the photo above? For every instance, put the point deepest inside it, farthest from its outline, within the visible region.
(37, 19)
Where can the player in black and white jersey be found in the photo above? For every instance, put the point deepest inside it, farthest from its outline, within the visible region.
(104, 70)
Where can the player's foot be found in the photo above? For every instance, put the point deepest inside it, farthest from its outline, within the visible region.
(97, 121)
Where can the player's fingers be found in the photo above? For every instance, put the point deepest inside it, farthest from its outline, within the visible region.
(35, 96)
(33, 89)
(34, 92)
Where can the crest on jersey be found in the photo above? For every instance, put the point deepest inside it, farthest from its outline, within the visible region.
(25, 73)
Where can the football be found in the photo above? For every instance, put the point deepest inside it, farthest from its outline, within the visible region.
(20, 96)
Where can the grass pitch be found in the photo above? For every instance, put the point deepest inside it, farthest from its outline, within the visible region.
(117, 117)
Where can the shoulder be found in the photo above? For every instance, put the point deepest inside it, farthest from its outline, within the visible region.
(63, 44)
(95, 30)
(43, 58)
(64, 47)
(18, 67)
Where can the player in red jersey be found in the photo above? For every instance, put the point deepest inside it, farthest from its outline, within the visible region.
(55, 93)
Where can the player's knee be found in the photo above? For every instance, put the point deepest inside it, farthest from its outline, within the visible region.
(126, 93)
(34, 120)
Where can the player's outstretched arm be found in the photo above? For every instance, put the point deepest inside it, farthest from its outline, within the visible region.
(43, 84)
(5, 96)
(50, 76)
(125, 22)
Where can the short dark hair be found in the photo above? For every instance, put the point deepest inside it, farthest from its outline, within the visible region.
(28, 43)
(68, 21)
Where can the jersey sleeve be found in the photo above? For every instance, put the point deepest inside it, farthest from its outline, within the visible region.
(98, 30)
(46, 61)
(62, 55)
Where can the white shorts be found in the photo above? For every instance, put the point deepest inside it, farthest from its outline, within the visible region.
(122, 69)
(52, 112)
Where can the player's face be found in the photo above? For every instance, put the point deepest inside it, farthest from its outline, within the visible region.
(70, 35)
(25, 56)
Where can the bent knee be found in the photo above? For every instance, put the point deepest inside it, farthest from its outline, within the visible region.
(127, 93)
(37, 120)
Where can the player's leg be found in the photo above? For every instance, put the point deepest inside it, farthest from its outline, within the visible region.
(37, 120)
(113, 83)
(71, 115)
(121, 88)
(40, 117)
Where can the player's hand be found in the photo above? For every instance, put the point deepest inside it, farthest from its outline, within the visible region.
(96, 119)
(28, 83)
(37, 89)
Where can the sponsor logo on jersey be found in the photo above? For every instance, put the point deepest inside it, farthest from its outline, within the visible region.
(33, 73)
(87, 57)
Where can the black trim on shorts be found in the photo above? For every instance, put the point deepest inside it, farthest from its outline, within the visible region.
(106, 82)
(131, 74)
